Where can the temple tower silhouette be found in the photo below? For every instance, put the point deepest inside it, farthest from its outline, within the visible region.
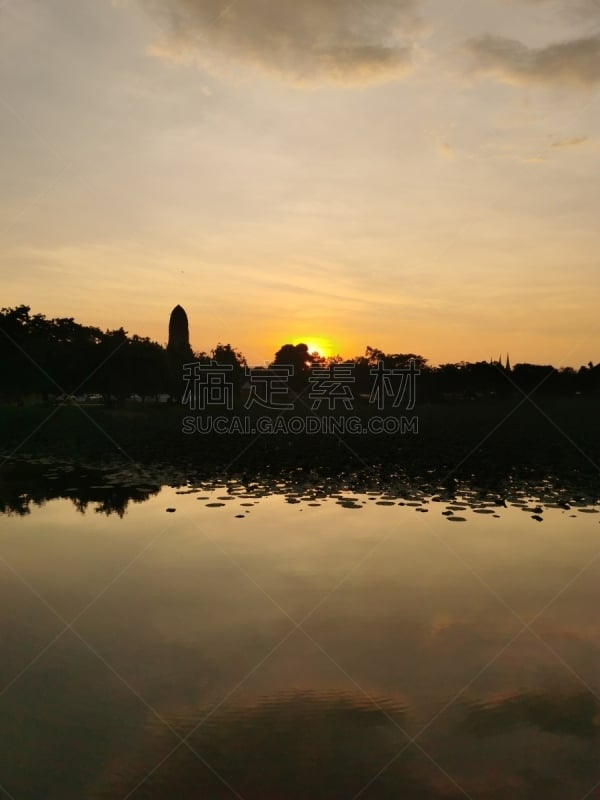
(179, 331)
(179, 351)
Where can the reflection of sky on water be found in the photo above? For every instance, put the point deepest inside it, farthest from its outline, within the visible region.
(396, 605)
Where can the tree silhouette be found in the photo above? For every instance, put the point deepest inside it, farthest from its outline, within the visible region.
(373, 355)
(297, 357)
(225, 354)
(44, 357)
(51, 356)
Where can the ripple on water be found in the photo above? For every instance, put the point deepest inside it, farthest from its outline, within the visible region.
(324, 744)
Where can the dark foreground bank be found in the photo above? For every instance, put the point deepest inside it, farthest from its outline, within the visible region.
(486, 442)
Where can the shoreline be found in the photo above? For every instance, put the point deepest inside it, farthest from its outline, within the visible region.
(489, 445)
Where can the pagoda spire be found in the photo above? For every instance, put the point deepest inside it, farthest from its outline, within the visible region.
(179, 334)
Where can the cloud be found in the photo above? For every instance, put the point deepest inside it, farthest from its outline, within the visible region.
(305, 41)
(555, 144)
(572, 63)
(574, 9)
(574, 142)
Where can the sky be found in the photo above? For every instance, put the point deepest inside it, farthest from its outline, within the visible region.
(414, 175)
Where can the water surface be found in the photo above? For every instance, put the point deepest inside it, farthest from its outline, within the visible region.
(287, 642)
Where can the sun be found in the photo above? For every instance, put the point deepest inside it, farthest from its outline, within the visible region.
(315, 344)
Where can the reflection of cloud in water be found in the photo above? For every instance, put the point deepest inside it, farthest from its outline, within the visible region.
(307, 744)
(299, 744)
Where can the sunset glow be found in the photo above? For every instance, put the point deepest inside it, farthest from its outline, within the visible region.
(315, 344)
(406, 175)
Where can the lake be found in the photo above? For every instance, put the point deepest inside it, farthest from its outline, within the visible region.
(298, 641)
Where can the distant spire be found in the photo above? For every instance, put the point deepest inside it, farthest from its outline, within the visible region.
(507, 363)
(499, 360)
(179, 336)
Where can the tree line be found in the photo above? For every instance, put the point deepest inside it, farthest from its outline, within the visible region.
(52, 357)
